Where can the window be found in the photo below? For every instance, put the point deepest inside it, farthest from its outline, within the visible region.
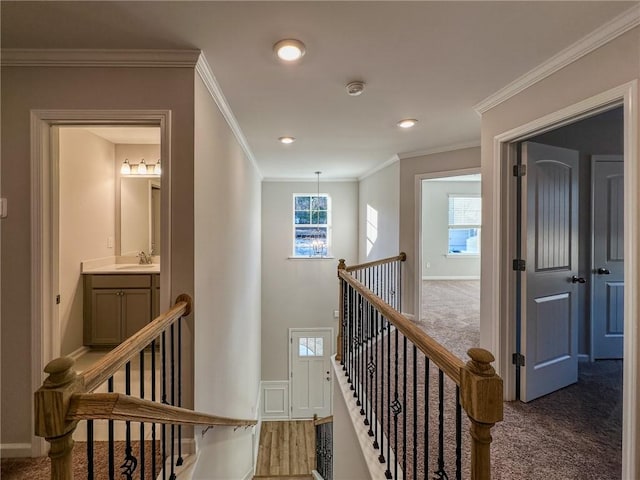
(465, 219)
(310, 347)
(311, 225)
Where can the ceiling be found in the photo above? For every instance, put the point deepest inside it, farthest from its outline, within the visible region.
(432, 61)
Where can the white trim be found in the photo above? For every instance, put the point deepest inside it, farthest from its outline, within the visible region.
(583, 357)
(391, 161)
(316, 475)
(45, 343)
(453, 277)
(274, 386)
(501, 326)
(27, 57)
(209, 80)
(15, 450)
(248, 475)
(609, 31)
(442, 149)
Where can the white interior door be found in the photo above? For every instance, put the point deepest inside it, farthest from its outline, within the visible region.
(608, 257)
(550, 316)
(310, 378)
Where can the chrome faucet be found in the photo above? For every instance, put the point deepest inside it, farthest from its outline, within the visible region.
(145, 259)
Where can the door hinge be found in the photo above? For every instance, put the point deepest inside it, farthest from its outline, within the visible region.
(57, 299)
(517, 359)
(519, 265)
(519, 170)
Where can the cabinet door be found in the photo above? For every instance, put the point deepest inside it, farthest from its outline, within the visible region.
(106, 317)
(136, 310)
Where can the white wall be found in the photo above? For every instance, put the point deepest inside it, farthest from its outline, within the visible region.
(227, 289)
(379, 210)
(410, 170)
(300, 292)
(86, 221)
(435, 232)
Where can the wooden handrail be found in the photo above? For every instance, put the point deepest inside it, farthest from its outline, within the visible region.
(443, 358)
(117, 406)
(401, 257)
(119, 356)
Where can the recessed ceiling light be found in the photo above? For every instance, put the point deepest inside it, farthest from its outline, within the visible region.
(289, 49)
(287, 140)
(407, 123)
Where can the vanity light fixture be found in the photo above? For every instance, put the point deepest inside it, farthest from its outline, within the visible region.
(125, 169)
(142, 168)
(289, 49)
(157, 169)
(407, 123)
(287, 140)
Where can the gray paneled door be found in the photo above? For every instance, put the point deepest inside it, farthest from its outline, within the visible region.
(550, 317)
(608, 260)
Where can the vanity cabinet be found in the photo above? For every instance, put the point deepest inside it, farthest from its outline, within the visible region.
(117, 306)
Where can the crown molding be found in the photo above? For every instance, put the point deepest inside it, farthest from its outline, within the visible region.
(443, 149)
(609, 31)
(204, 70)
(382, 166)
(23, 57)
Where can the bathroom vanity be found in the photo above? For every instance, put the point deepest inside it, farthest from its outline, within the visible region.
(119, 300)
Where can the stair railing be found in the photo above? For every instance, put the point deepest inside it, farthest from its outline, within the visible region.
(324, 446)
(66, 397)
(387, 360)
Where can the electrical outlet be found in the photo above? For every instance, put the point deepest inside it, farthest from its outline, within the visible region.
(336, 314)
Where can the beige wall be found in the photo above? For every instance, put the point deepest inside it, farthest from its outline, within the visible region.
(300, 292)
(86, 221)
(29, 88)
(410, 169)
(227, 297)
(379, 198)
(609, 66)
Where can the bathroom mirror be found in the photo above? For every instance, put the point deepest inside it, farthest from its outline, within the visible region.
(139, 215)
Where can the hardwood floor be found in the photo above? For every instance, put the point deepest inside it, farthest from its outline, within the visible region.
(287, 450)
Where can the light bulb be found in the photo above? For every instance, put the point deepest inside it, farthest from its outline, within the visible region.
(157, 169)
(289, 50)
(125, 169)
(142, 168)
(407, 123)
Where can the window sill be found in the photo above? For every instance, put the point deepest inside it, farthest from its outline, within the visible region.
(328, 257)
(462, 255)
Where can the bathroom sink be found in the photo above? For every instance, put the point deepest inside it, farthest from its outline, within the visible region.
(137, 267)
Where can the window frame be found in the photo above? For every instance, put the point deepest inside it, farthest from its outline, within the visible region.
(460, 226)
(328, 249)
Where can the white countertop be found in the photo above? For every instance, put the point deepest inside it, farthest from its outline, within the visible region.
(123, 268)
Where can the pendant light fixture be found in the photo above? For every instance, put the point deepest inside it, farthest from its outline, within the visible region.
(318, 243)
(125, 169)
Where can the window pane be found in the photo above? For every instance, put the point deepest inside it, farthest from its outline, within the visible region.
(465, 211)
(302, 347)
(318, 347)
(302, 203)
(304, 238)
(464, 240)
(319, 218)
(302, 217)
(318, 203)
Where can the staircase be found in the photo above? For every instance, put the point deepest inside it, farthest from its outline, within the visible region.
(287, 450)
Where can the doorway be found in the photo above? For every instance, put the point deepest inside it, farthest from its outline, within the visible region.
(571, 231)
(45, 189)
(310, 351)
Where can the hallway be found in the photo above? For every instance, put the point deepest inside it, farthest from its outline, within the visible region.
(287, 450)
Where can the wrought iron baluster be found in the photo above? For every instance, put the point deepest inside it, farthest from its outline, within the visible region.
(89, 449)
(364, 352)
(425, 460)
(180, 460)
(441, 472)
(141, 443)
(396, 407)
(130, 463)
(458, 435)
(387, 473)
(404, 406)
(153, 398)
(374, 374)
(415, 412)
(172, 353)
(164, 401)
(112, 463)
(381, 458)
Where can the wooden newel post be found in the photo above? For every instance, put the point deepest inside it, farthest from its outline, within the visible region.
(481, 398)
(341, 266)
(51, 405)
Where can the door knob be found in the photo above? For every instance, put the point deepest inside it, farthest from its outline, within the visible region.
(576, 279)
(603, 271)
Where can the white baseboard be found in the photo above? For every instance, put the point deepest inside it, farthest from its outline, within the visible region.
(410, 316)
(76, 354)
(451, 277)
(583, 357)
(274, 399)
(249, 475)
(14, 450)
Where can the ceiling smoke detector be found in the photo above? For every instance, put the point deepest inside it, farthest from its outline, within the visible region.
(355, 88)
